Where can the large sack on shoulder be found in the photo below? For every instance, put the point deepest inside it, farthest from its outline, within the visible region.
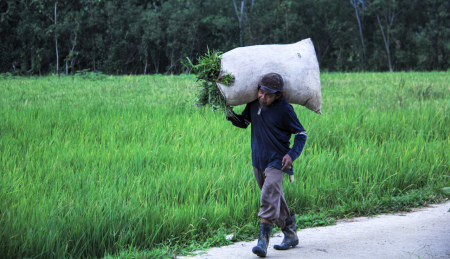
(296, 63)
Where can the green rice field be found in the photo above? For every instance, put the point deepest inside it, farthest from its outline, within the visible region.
(127, 167)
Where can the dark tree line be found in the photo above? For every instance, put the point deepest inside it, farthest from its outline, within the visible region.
(142, 37)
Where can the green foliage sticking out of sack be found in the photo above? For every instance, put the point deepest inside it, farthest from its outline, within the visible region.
(210, 94)
(207, 71)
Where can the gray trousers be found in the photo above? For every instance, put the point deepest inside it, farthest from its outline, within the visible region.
(273, 205)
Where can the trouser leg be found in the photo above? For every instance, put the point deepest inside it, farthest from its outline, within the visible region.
(273, 205)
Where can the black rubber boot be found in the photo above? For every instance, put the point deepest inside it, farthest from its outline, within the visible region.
(290, 235)
(265, 230)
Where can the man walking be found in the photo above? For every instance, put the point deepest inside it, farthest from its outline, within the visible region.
(273, 122)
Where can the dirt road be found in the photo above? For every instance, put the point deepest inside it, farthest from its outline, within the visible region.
(422, 233)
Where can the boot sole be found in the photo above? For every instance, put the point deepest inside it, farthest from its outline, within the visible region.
(258, 252)
(279, 247)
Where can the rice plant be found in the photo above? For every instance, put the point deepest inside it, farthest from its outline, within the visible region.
(123, 166)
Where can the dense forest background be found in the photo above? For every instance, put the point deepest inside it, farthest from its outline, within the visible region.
(145, 37)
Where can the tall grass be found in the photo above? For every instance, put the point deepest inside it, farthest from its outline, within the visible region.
(90, 167)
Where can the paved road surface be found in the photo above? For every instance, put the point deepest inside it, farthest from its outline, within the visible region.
(422, 233)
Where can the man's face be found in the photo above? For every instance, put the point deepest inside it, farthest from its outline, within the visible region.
(265, 98)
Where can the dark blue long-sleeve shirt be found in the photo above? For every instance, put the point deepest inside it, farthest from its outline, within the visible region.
(272, 127)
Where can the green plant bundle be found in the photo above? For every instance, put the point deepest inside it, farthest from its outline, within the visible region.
(207, 71)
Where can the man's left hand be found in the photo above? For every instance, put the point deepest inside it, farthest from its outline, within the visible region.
(286, 163)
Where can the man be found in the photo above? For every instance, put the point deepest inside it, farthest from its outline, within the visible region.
(273, 122)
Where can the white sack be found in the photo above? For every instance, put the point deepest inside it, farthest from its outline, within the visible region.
(296, 63)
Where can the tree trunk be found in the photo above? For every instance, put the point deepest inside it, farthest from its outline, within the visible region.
(287, 31)
(355, 5)
(56, 44)
(240, 18)
(72, 59)
(145, 68)
(386, 43)
(156, 62)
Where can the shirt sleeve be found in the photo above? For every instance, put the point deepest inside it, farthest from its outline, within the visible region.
(299, 144)
(296, 128)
